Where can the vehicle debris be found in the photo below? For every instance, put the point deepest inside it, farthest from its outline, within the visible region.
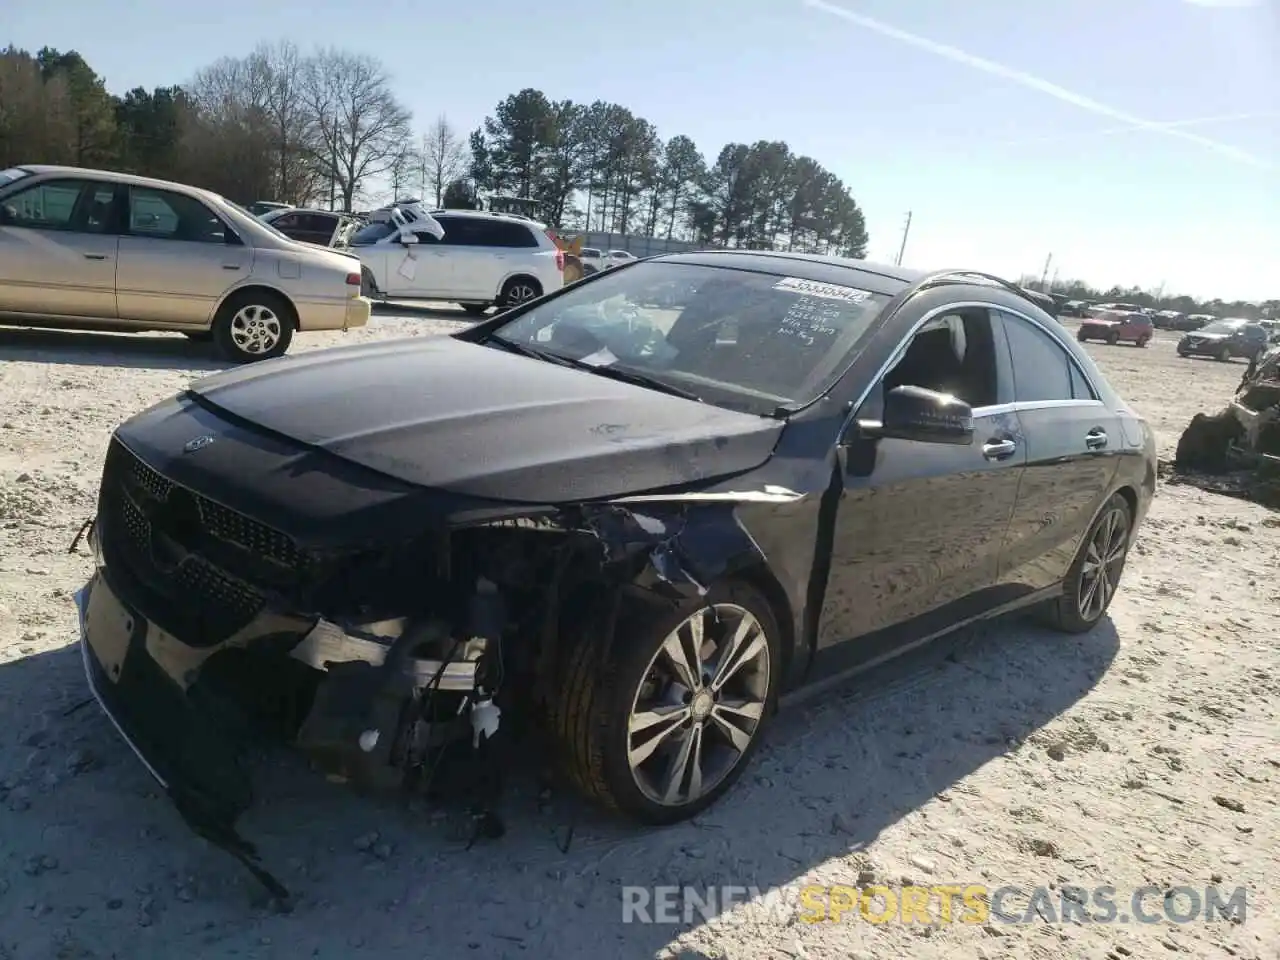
(1240, 444)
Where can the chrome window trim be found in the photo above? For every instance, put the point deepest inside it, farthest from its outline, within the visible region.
(993, 409)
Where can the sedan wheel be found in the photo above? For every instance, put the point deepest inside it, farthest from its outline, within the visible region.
(1094, 577)
(699, 706)
(253, 326)
(1223, 355)
(660, 722)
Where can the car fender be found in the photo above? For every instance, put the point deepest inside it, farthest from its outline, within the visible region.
(245, 283)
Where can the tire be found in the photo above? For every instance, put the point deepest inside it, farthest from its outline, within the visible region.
(1143, 341)
(1070, 613)
(519, 290)
(597, 696)
(475, 309)
(1081, 337)
(1113, 338)
(369, 286)
(254, 325)
(1223, 355)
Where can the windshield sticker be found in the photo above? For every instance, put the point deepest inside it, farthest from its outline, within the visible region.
(808, 320)
(827, 291)
(601, 358)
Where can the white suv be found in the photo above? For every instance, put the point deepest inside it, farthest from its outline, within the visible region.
(482, 259)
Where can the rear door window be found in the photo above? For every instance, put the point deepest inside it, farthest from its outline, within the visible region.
(77, 206)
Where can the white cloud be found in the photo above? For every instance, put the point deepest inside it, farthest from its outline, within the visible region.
(1032, 82)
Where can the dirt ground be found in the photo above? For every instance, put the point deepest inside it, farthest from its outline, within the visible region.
(1144, 753)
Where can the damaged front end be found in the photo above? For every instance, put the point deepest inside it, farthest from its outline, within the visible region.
(206, 633)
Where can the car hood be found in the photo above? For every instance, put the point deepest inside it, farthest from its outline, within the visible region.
(480, 422)
(1200, 335)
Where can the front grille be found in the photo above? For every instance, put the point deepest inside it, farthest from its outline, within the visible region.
(188, 563)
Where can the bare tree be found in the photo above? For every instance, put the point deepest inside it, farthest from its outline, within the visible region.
(444, 158)
(280, 73)
(403, 172)
(358, 125)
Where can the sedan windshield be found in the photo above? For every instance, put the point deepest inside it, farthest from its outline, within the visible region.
(736, 338)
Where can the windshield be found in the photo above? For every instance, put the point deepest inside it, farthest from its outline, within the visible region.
(372, 233)
(13, 173)
(736, 338)
(1221, 326)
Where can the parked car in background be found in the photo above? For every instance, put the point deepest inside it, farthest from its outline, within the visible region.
(1074, 308)
(1100, 308)
(1194, 321)
(1225, 339)
(616, 258)
(1115, 326)
(649, 524)
(93, 250)
(481, 260)
(259, 207)
(1167, 319)
(592, 260)
(1042, 300)
(327, 228)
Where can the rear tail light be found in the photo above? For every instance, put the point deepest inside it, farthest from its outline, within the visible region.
(353, 279)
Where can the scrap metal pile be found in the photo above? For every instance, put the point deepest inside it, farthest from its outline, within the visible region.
(1241, 443)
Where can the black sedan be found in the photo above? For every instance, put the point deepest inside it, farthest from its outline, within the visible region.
(1224, 340)
(640, 510)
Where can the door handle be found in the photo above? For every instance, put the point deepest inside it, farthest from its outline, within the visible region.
(95, 256)
(231, 266)
(999, 449)
(1095, 439)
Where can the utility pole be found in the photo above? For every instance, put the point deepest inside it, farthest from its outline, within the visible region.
(1044, 277)
(905, 232)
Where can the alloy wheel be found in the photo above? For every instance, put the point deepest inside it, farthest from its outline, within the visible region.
(255, 329)
(519, 293)
(699, 705)
(1103, 563)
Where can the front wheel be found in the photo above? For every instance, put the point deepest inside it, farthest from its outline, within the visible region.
(1223, 355)
(1113, 338)
(1081, 337)
(1092, 581)
(254, 325)
(1143, 341)
(369, 286)
(662, 726)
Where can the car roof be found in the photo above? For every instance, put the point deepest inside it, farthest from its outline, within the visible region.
(488, 215)
(130, 179)
(876, 277)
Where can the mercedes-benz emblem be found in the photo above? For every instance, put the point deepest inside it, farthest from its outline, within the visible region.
(199, 443)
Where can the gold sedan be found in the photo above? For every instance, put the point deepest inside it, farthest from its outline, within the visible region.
(92, 250)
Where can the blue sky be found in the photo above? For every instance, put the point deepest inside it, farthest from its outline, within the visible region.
(1012, 129)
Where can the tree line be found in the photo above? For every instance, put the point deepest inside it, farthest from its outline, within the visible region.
(327, 128)
(1158, 299)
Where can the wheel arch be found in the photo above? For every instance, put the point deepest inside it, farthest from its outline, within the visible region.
(519, 275)
(260, 287)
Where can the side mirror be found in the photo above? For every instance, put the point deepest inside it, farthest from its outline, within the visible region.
(925, 416)
(408, 239)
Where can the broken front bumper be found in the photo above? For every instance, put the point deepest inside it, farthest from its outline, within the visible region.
(197, 764)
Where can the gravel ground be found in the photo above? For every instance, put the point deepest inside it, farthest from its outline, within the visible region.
(1146, 752)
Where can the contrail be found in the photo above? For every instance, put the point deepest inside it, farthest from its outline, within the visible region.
(1032, 82)
(1162, 124)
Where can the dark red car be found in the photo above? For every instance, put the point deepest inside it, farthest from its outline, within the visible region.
(1116, 325)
